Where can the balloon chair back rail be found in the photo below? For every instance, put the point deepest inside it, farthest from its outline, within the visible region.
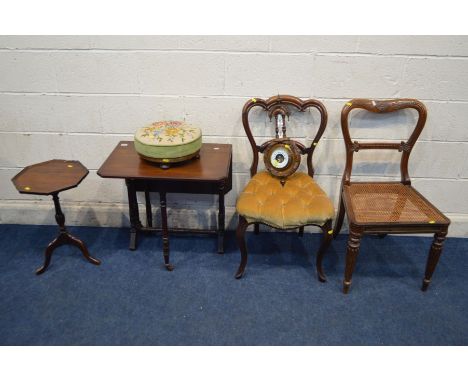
(282, 156)
(386, 207)
(381, 107)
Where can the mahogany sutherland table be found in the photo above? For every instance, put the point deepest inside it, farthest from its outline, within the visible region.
(50, 178)
(211, 173)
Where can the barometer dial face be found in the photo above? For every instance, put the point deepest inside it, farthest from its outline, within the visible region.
(282, 158)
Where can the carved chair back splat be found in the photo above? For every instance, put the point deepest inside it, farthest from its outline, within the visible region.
(278, 107)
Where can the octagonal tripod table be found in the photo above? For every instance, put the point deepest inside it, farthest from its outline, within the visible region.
(50, 178)
(211, 173)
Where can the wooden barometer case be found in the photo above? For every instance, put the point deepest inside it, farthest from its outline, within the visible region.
(281, 155)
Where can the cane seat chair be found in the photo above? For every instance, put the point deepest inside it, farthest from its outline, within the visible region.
(283, 200)
(386, 207)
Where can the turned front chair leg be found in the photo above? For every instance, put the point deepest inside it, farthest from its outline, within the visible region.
(240, 236)
(433, 258)
(326, 240)
(301, 231)
(354, 241)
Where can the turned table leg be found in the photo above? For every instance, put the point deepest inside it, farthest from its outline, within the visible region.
(221, 222)
(149, 213)
(63, 238)
(135, 223)
(165, 231)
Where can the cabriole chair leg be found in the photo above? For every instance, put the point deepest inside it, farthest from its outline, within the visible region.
(240, 236)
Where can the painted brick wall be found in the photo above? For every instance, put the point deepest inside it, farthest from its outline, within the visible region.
(75, 97)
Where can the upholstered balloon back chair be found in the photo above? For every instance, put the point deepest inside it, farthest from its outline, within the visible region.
(386, 207)
(280, 197)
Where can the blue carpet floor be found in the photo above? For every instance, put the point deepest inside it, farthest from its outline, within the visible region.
(132, 300)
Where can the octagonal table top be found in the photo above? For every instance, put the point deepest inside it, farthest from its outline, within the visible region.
(50, 177)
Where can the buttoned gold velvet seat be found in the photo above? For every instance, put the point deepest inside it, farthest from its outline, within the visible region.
(299, 202)
(285, 202)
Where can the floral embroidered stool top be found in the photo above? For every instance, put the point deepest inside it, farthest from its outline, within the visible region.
(168, 141)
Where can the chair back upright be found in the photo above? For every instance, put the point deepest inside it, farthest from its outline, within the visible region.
(382, 106)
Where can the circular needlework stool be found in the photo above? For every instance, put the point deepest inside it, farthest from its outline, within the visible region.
(168, 142)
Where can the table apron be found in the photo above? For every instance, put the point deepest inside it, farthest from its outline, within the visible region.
(182, 187)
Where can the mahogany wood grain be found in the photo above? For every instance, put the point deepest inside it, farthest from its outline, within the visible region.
(393, 207)
(50, 178)
(125, 163)
(210, 173)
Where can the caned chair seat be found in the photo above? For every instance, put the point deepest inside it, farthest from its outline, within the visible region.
(384, 207)
(299, 202)
(389, 203)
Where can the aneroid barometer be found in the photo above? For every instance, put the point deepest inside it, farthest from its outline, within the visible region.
(281, 155)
